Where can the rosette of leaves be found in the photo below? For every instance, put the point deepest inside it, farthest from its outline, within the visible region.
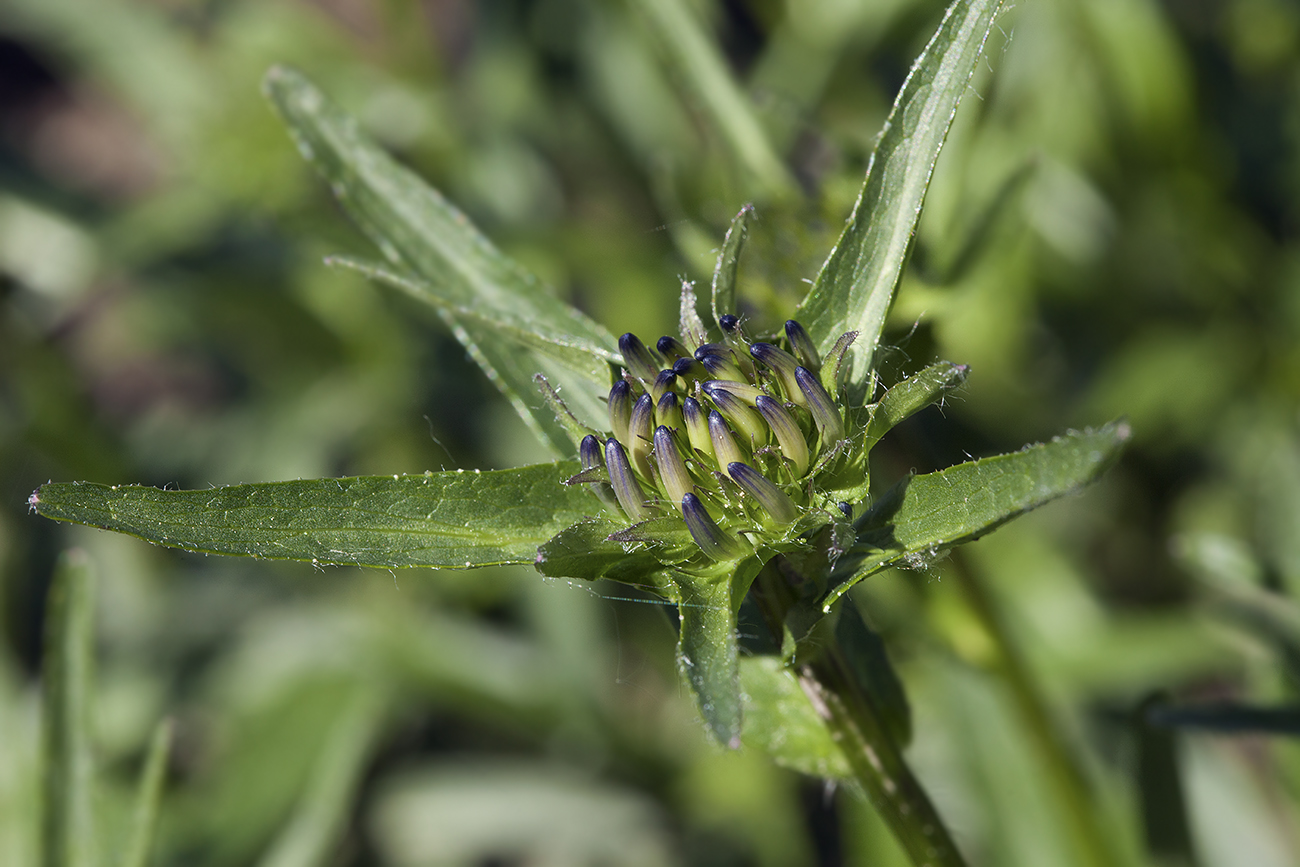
(718, 469)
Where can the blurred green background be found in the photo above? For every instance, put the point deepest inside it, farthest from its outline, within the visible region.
(1114, 228)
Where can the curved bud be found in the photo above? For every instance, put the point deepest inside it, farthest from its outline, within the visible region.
(626, 488)
(671, 348)
(714, 541)
(589, 452)
(640, 434)
(724, 444)
(697, 426)
(743, 390)
(782, 364)
(668, 411)
(802, 345)
(788, 436)
(620, 408)
(638, 359)
(663, 383)
(823, 409)
(773, 500)
(672, 470)
(720, 361)
(749, 424)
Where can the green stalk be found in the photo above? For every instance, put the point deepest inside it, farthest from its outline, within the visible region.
(1064, 775)
(877, 762)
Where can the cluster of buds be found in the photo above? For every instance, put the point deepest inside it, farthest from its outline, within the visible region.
(731, 429)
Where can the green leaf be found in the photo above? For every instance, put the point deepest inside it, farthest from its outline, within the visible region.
(443, 259)
(707, 651)
(864, 650)
(724, 274)
(68, 829)
(586, 552)
(144, 822)
(454, 520)
(913, 395)
(781, 721)
(857, 283)
(922, 516)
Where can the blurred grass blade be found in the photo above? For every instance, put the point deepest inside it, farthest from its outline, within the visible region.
(781, 721)
(857, 283)
(1226, 718)
(724, 274)
(457, 268)
(313, 834)
(447, 520)
(1161, 790)
(68, 830)
(696, 57)
(913, 395)
(921, 516)
(144, 822)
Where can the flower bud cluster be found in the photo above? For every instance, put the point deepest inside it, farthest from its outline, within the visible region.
(729, 429)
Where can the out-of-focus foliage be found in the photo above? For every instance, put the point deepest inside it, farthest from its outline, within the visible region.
(1113, 228)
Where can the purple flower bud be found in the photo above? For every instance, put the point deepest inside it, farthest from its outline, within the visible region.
(748, 423)
(729, 323)
(773, 500)
(724, 444)
(716, 543)
(620, 408)
(687, 366)
(640, 434)
(671, 348)
(672, 470)
(782, 364)
(720, 366)
(638, 359)
(626, 488)
(802, 345)
(668, 412)
(697, 426)
(663, 383)
(743, 390)
(788, 436)
(589, 452)
(823, 409)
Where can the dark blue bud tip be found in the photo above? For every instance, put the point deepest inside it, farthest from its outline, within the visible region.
(729, 322)
(847, 509)
(683, 365)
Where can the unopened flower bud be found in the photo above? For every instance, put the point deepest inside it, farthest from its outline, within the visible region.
(787, 433)
(668, 411)
(626, 488)
(638, 359)
(620, 408)
(671, 348)
(640, 433)
(715, 542)
(724, 444)
(773, 500)
(802, 345)
(672, 470)
(748, 423)
(697, 427)
(823, 409)
(782, 364)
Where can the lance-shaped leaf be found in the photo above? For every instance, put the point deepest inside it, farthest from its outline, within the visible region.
(68, 828)
(857, 283)
(781, 721)
(453, 266)
(707, 652)
(586, 551)
(922, 516)
(454, 520)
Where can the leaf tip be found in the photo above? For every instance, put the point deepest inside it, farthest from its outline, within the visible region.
(34, 501)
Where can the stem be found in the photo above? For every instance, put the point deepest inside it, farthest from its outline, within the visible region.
(1066, 779)
(876, 761)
